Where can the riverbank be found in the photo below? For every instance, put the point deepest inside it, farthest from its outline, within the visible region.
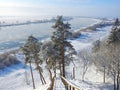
(93, 27)
(28, 22)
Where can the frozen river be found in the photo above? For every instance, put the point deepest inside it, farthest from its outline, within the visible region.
(14, 36)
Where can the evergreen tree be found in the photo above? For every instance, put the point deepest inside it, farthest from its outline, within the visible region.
(60, 43)
(50, 55)
(115, 33)
(28, 59)
(32, 48)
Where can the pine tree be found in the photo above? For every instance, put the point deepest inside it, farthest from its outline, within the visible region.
(115, 33)
(50, 55)
(59, 40)
(32, 48)
(28, 59)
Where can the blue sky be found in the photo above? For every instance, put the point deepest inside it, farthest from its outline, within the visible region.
(104, 8)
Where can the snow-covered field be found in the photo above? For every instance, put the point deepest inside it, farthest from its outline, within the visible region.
(13, 77)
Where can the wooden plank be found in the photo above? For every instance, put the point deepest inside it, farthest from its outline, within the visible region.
(72, 86)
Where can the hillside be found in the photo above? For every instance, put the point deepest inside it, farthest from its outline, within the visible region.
(15, 74)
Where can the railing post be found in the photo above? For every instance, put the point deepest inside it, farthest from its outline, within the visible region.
(73, 88)
(67, 86)
(70, 87)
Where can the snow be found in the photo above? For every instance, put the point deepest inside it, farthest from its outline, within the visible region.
(88, 37)
(58, 84)
(83, 85)
(13, 77)
(79, 45)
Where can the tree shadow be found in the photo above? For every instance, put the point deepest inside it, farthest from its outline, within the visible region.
(10, 69)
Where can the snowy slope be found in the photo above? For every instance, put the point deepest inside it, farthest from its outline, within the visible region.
(13, 77)
(93, 78)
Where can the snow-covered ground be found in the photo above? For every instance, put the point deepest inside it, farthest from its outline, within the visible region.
(13, 77)
(93, 78)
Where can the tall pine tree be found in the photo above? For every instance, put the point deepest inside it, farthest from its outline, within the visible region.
(60, 43)
(115, 33)
(31, 50)
(28, 58)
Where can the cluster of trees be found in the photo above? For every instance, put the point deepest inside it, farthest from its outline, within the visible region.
(106, 55)
(56, 53)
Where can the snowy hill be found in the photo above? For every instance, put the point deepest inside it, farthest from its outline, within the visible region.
(13, 77)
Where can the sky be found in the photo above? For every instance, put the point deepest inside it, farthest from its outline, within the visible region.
(97, 8)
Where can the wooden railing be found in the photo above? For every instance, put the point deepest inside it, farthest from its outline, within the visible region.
(68, 85)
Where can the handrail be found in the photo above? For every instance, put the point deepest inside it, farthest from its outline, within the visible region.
(69, 85)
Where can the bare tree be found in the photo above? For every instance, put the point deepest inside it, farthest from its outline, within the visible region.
(27, 78)
(107, 59)
(99, 52)
(85, 56)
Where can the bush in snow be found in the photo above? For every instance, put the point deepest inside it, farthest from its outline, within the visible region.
(7, 59)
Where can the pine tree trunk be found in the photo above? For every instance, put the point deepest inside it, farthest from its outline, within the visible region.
(32, 76)
(118, 79)
(118, 76)
(50, 74)
(62, 53)
(55, 68)
(117, 83)
(114, 83)
(73, 72)
(41, 76)
(43, 79)
(60, 70)
(83, 76)
(104, 75)
(63, 62)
